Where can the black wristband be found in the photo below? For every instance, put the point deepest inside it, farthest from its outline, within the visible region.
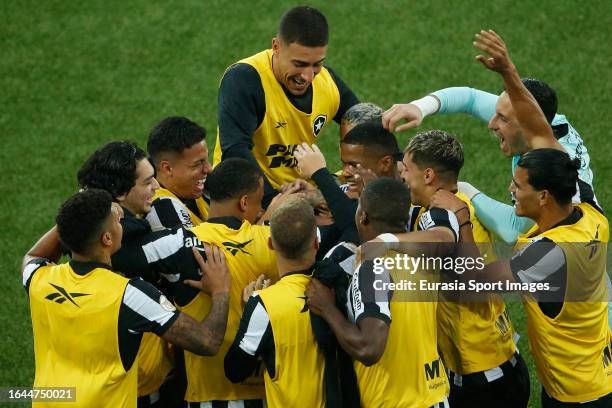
(461, 209)
(468, 222)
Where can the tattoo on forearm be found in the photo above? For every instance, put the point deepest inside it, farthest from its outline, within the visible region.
(203, 338)
(215, 323)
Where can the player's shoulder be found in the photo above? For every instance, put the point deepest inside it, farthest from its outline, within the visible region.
(240, 73)
(31, 268)
(341, 251)
(161, 200)
(168, 212)
(434, 217)
(241, 81)
(534, 249)
(439, 218)
(140, 293)
(259, 230)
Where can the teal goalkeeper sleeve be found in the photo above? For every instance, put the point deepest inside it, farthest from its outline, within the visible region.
(462, 99)
(500, 218)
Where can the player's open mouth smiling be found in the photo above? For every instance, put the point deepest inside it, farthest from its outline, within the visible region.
(503, 146)
(352, 185)
(299, 83)
(200, 184)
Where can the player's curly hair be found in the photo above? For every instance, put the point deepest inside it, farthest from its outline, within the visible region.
(81, 218)
(112, 168)
(173, 135)
(304, 25)
(552, 170)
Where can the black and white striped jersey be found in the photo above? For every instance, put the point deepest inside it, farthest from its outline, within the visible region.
(253, 340)
(344, 255)
(543, 261)
(422, 219)
(366, 301)
(148, 254)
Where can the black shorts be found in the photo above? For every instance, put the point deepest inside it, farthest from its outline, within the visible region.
(509, 391)
(550, 402)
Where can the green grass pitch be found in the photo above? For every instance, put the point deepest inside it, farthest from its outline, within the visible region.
(75, 75)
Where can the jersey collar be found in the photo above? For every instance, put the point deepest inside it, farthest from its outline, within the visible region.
(83, 268)
(308, 271)
(230, 222)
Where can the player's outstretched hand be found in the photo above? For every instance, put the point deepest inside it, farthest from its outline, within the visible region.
(216, 277)
(492, 44)
(310, 159)
(398, 112)
(319, 297)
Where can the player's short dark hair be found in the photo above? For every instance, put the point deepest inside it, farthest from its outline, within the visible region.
(386, 201)
(81, 218)
(173, 135)
(375, 138)
(438, 150)
(233, 178)
(293, 227)
(112, 168)
(552, 170)
(363, 112)
(304, 25)
(544, 95)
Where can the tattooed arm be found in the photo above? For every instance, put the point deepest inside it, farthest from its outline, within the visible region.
(205, 338)
(202, 338)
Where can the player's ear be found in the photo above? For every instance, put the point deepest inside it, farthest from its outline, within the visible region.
(364, 218)
(275, 45)
(386, 164)
(544, 197)
(106, 239)
(429, 175)
(243, 203)
(165, 167)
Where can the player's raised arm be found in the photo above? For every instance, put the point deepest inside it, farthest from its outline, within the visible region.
(48, 247)
(458, 99)
(536, 129)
